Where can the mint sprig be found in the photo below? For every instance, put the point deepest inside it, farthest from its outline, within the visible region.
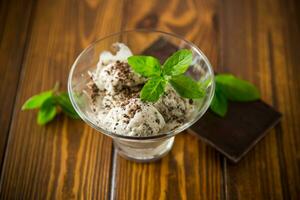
(231, 88)
(49, 103)
(171, 72)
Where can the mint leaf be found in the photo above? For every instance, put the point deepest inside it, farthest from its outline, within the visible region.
(236, 89)
(64, 102)
(47, 112)
(47, 103)
(153, 89)
(178, 63)
(186, 87)
(37, 100)
(146, 66)
(175, 65)
(219, 104)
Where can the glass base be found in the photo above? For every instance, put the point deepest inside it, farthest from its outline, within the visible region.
(143, 151)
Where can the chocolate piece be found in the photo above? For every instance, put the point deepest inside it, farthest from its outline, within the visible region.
(243, 126)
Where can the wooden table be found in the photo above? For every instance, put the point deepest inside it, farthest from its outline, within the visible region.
(255, 39)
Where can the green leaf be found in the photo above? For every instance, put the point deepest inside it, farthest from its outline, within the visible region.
(64, 102)
(219, 104)
(236, 89)
(37, 100)
(153, 89)
(146, 66)
(186, 87)
(178, 63)
(47, 112)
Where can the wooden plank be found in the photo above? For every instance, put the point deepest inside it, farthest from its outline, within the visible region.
(192, 170)
(258, 42)
(14, 20)
(65, 159)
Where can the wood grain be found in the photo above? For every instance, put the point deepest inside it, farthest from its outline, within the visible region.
(192, 170)
(257, 40)
(258, 43)
(65, 159)
(15, 19)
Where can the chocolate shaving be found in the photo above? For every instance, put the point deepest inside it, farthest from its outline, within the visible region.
(95, 89)
(94, 92)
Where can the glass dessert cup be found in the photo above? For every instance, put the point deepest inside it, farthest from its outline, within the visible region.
(148, 148)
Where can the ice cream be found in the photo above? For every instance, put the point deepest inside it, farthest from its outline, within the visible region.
(136, 118)
(115, 102)
(113, 73)
(174, 108)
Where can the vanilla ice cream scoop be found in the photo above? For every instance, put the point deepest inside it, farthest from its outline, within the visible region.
(134, 119)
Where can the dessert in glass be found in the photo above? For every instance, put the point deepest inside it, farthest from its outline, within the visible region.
(105, 92)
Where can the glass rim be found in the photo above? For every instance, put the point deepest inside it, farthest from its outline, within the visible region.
(168, 134)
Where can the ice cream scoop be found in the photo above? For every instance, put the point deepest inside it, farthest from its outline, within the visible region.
(113, 72)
